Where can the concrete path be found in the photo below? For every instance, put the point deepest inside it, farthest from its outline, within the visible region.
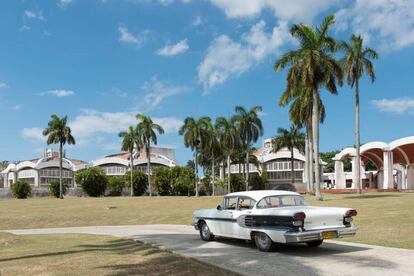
(332, 258)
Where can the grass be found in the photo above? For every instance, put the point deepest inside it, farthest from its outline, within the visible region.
(91, 255)
(383, 218)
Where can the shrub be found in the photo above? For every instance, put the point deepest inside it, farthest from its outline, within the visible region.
(93, 181)
(115, 184)
(21, 189)
(162, 181)
(139, 182)
(236, 183)
(258, 182)
(54, 188)
(182, 180)
(207, 188)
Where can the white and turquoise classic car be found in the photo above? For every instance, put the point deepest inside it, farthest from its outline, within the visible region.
(272, 217)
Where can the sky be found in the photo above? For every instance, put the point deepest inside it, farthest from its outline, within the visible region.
(100, 62)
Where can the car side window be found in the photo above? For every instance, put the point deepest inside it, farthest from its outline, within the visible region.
(269, 202)
(231, 203)
(245, 203)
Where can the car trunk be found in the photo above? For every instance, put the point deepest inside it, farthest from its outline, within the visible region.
(323, 217)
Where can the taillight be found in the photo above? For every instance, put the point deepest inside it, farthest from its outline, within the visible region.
(351, 213)
(298, 219)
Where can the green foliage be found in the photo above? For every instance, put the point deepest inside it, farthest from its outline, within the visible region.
(21, 189)
(236, 183)
(182, 180)
(93, 181)
(258, 182)
(162, 181)
(54, 188)
(139, 182)
(207, 187)
(330, 166)
(115, 184)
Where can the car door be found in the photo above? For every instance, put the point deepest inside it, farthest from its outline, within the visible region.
(244, 207)
(223, 221)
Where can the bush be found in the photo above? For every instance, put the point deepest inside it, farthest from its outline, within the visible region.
(182, 181)
(207, 188)
(139, 182)
(115, 184)
(237, 183)
(258, 182)
(93, 181)
(162, 181)
(21, 189)
(54, 188)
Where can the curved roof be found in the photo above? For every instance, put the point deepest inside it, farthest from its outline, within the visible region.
(265, 155)
(258, 195)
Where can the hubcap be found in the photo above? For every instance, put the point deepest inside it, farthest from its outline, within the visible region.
(205, 230)
(263, 240)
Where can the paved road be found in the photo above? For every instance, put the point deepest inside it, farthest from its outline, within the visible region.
(332, 258)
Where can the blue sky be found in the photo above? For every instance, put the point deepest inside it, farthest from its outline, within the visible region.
(102, 61)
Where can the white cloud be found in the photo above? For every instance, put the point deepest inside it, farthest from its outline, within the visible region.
(3, 85)
(58, 93)
(24, 28)
(157, 91)
(226, 58)
(34, 15)
(64, 3)
(389, 24)
(33, 133)
(127, 37)
(299, 10)
(172, 50)
(397, 105)
(197, 21)
(17, 107)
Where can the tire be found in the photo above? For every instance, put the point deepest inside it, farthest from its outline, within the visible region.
(264, 242)
(205, 233)
(314, 243)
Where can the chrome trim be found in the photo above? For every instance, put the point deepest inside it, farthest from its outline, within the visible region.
(294, 237)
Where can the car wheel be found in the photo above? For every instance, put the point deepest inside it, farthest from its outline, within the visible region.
(205, 233)
(314, 243)
(264, 242)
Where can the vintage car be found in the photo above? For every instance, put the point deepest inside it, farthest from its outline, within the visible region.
(272, 217)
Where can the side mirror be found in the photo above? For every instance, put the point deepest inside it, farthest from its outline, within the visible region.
(218, 207)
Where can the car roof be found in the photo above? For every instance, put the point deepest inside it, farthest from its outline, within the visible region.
(258, 195)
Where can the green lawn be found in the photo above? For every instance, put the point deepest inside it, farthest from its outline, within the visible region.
(91, 255)
(383, 218)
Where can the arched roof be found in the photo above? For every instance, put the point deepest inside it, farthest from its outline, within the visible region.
(403, 150)
(345, 153)
(268, 155)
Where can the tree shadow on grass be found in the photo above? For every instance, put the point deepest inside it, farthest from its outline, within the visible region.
(365, 196)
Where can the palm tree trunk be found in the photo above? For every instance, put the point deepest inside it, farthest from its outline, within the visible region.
(132, 168)
(358, 153)
(292, 169)
(149, 167)
(196, 172)
(60, 170)
(315, 125)
(228, 173)
(213, 173)
(247, 171)
(310, 164)
(308, 185)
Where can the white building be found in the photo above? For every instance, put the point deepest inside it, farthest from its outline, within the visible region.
(394, 162)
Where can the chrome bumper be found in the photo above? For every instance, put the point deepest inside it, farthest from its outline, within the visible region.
(293, 237)
(195, 224)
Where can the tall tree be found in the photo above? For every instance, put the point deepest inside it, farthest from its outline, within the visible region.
(148, 130)
(313, 66)
(300, 114)
(355, 63)
(58, 132)
(131, 140)
(193, 132)
(229, 138)
(291, 139)
(250, 129)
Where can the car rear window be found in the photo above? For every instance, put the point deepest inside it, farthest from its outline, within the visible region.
(281, 201)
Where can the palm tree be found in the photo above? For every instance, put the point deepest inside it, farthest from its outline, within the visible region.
(193, 131)
(130, 141)
(58, 132)
(229, 139)
(211, 149)
(313, 66)
(250, 129)
(357, 61)
(300, 114)
(147, 130)
(290, 139)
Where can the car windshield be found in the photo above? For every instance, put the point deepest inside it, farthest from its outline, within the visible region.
(281, 201)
